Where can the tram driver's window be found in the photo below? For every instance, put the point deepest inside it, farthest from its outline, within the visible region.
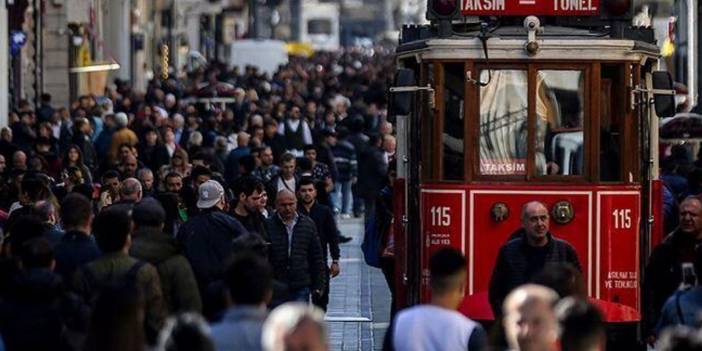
(452, 136)
(503, 122)
(560, 149)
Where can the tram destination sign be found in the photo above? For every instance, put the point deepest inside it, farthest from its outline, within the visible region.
(530, 7)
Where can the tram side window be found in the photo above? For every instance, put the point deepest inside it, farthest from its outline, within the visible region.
(504, 122)
(452, 136)
(560, 149)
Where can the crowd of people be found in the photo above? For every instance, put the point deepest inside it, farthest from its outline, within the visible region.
(157, 220)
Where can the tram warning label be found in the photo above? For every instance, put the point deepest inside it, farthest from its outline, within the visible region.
(531, 7)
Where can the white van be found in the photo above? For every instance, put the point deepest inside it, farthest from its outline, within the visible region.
(266, 54)
(320, 26)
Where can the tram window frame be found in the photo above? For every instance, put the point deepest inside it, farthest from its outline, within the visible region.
(440, 124)
(430, 75)
(532, 70)
(587, 117)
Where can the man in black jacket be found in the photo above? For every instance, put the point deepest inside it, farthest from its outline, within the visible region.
(323, 218)
(521, 258)
(295, 251)
(76, 247)
(372, 173)
(247, 194)
(663, 274)
(210, 237)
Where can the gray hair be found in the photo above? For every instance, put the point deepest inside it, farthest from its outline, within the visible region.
(130, 187)
(195, 138)
(190, 324)
(144, 171)
(121, 119)
(285, 319)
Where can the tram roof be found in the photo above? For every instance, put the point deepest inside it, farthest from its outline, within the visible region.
(507, 43)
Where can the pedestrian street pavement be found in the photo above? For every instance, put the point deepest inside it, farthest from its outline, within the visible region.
(359, 299)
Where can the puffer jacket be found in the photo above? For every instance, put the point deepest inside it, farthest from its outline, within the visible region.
(180, 291)
(303, 266)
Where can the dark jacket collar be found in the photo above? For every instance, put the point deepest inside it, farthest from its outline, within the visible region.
(549, 244)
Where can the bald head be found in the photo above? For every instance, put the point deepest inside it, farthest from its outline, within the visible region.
(535, 221)
(529, 319)
(130, 189)
(286, 205)
(130, 164)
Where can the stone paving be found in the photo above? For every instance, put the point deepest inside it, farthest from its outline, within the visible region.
(359, 301)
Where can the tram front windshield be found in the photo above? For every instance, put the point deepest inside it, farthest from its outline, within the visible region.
(558, 125)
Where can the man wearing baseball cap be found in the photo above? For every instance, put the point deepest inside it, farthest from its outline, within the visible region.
(209, 237)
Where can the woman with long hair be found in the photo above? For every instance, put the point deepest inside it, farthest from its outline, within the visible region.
(73, 157)
(179, 164)
(153, 153)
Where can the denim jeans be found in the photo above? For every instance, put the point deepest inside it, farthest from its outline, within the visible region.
(343, 199)
(300, 295)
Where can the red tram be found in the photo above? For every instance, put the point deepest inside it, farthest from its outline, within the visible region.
(501, 102)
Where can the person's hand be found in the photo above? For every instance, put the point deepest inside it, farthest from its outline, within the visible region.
(552, 168)
(105, 199)
(334, 270)
(317, 293)
(651, 340)
(354, 180)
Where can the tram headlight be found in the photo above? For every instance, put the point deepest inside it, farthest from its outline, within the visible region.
(499, 212)
(562, 212)
(442, 9)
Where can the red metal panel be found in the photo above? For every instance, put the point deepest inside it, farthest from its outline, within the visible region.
(443, 224)
(617, 251)
(530, 7)
(616, 246)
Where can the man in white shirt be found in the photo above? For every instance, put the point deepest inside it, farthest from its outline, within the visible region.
(437, 325)
(296, 132)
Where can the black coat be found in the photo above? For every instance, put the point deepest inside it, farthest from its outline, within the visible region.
(40, 314)
(209, 240)
(515, 265)
(303, 267)
(372, 171)
(663, 275)
(323, 218)
(74, 250)
(154, 157)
